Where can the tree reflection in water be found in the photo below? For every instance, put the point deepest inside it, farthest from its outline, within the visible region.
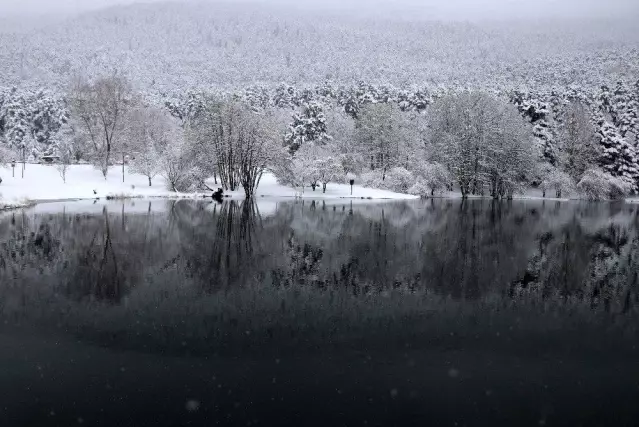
(192, 300)
(465, 250)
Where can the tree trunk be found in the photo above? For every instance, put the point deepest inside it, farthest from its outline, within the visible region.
(313, 186)
(248, 192)
(122, 167)
(105, 169)
(149, 181)
(323, 187)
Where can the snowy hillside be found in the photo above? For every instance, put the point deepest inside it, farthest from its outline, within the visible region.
(170, 45)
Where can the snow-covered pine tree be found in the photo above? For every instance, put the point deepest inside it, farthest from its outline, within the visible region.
(618, 157)
(386, 94)
(326, 93)
(366, 93)
(351, 105)
(4, 98)
(623, 110)
(256, 97)
(604, 101)
(48, 114)
(558, 103)
(185, 107)
(420, 100)
(17, 119)
(403, 100)
(537, 112)
(308, 125)
(635, 106)
(284, 96)
(304, 97)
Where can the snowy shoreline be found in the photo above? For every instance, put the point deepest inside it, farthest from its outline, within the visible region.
(43, 184)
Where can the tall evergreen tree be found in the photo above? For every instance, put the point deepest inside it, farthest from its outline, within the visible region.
(308, 125)
(623, 109)
(537, 112)
(618, 157)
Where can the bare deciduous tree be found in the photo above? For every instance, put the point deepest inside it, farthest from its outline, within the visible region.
(483, 141)
(381, 133)
(577, 136)
(431, 178)
(65, 151)
(100, 109)
(149, 133)
(258, 147)
(213, 137)
(238, 141)
(178, 167)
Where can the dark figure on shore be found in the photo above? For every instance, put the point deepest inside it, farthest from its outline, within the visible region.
(218, 196)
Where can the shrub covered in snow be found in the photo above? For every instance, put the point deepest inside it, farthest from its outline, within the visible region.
(557, 181)
(432, 178)
(397, 179)
(599, 185)
(372, 179)
(419, 188)
(619, 188)
(178, 168)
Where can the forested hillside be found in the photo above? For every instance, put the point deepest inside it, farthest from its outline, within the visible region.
(328, 82)
(171, 45)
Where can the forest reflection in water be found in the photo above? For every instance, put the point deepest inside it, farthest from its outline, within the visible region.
(301, 265)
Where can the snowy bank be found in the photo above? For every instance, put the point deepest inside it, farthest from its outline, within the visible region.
(44, 183)
(270, 188)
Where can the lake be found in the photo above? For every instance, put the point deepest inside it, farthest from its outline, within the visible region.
(327, 313)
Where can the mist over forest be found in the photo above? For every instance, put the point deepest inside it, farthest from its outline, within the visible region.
(235, 44)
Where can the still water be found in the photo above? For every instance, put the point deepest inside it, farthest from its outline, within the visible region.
(185, 313)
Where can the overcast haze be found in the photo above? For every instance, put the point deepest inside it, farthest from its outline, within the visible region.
(448, 9)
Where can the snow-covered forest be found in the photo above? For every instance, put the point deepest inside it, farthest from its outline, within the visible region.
(194, 91)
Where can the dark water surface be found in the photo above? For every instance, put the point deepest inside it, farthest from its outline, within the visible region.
(186, 313)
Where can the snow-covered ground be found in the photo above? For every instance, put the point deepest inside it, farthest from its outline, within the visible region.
(44, 183)
(270, 188)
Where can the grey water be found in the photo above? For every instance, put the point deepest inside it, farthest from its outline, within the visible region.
(294, 313)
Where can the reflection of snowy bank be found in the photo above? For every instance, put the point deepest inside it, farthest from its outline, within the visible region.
(197, 271)
(127, 206)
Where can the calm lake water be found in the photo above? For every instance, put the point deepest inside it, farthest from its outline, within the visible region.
(185, 313)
